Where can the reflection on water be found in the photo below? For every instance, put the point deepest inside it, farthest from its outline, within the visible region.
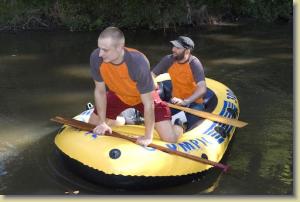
(79, 71)
(236, 61)
(47, 74)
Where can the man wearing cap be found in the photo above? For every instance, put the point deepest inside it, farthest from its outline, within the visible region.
(187, 76)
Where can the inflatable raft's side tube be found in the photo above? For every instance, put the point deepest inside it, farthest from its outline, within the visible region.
(137, 182)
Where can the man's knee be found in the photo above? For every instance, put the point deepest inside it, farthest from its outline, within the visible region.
(119, 121)
(166, 131)
(95, 119)
(170, 137)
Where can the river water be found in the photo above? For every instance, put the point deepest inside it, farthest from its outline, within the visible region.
(44, 74)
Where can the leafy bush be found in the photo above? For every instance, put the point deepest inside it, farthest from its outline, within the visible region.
(152, 14)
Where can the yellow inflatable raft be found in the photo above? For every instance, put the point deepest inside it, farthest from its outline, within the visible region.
(120, 163)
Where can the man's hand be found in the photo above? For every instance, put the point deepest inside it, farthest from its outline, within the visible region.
(178, 101)
(101, 129)
(144, 141)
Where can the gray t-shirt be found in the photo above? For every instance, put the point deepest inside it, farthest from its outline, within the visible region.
(194, 63)
(137, 65)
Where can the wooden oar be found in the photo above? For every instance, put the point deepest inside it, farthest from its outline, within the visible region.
(88, 127)
(210, 116)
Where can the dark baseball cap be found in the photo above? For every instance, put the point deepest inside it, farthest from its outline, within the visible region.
(183, 42)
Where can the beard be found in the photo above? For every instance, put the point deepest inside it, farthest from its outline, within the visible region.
(179, 56)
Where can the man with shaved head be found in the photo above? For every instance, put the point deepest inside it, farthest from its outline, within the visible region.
(126, 74)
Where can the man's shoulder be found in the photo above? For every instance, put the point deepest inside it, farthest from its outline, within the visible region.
(168, 57)
(134, 57)
(167, 60)
(95, 60)
(193, 59)
(133, 53)
(95, 52)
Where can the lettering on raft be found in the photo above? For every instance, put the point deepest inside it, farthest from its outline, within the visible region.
(190, 145)
(93, 135)
(231, 95)
(225, 128)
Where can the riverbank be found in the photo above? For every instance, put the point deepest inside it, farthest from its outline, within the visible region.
(20, 15)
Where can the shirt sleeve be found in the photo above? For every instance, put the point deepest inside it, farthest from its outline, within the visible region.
(197, 69)
(139, 71)
(95, 62)
(163, 66)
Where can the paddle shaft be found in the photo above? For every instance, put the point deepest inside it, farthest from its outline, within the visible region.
(210, 116)
(88, 127)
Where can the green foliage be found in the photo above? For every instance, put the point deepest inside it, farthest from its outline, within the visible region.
(152, 14)
(261, 10)
(269, 10)
(73, 16)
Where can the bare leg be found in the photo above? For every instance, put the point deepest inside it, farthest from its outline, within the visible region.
(178, 130)
(167, 131)
(94, 119)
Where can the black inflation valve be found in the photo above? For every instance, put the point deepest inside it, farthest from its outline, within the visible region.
(114, 153)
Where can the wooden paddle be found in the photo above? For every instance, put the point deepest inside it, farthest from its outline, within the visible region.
(206, 115)
(210, 116)
(88, 127)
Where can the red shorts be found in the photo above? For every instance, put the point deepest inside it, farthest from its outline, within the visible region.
(115, 106)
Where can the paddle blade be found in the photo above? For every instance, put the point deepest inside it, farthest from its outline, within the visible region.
(211, 116)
